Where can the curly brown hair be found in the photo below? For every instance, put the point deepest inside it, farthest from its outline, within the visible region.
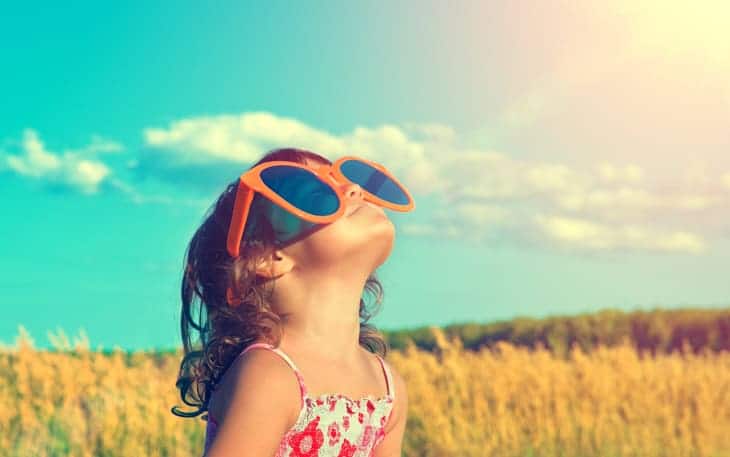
(224, 331)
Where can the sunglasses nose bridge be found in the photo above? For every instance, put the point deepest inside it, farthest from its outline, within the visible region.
(326, 174)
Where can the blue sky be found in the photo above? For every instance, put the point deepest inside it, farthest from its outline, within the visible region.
(563, 158)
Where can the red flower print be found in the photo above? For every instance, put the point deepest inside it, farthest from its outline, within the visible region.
(359, 417)
(332, 402)
(347, 449)
(283, 446)
(379, 436)
(366, 437)
(371, 407)
(319, 401)
(349, 408)
(382, 421)
(307, 442)
(346, 422)
(333, 432)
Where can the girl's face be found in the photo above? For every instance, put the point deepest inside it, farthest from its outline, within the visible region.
(359, 241)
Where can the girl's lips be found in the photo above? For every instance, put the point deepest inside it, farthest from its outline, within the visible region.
(356, 210)
(375, 207)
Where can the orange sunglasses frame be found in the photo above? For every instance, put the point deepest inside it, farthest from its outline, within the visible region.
(250, 182)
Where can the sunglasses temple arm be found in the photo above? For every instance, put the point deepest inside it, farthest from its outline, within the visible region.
(241, 207)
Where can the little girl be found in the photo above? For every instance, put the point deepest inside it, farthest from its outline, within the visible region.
(280, 264)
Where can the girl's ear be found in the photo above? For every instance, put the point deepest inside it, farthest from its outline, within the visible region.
(277, 266)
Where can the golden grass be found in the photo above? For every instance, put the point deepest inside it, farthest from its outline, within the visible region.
(507, 402)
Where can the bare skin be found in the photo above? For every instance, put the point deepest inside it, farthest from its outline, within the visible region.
(319, 283)
(319, 280)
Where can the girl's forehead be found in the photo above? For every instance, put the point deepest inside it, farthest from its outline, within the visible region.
(313, 163)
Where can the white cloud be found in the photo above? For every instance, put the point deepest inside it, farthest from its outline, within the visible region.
(595, 236)
(36, 161)
(139, 198)
(482, 192)
(70, 169)
(611, 173)
(244, 139)
(555, 178)
(623, 198)
(419, 229)
(430, 132)
(628, 200)
(85, 174)
(238, 138)
(474, 215)
(98, 144)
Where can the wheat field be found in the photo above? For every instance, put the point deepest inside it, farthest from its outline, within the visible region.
(505, 402)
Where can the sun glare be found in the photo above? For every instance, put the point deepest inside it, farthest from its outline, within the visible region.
(676, 27)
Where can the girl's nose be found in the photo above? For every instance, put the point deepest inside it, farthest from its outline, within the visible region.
(352, 191)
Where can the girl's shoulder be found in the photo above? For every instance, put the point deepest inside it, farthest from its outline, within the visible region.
(250, 369)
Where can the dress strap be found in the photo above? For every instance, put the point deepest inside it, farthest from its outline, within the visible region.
(388, 377)
(287, 359)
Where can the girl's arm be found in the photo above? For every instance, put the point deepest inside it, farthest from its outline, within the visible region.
(396, 426)
(261, 408)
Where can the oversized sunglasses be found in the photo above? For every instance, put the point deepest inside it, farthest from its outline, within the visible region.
(311, 193)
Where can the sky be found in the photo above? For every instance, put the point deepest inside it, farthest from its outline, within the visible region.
(564, 158)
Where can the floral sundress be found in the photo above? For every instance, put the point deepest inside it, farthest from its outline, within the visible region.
(329, 424)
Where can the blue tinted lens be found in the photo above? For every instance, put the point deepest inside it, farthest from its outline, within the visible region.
(302, 189)
(284, 224)
(374, 181)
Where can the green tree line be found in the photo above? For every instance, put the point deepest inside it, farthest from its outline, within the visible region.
(654, 331)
